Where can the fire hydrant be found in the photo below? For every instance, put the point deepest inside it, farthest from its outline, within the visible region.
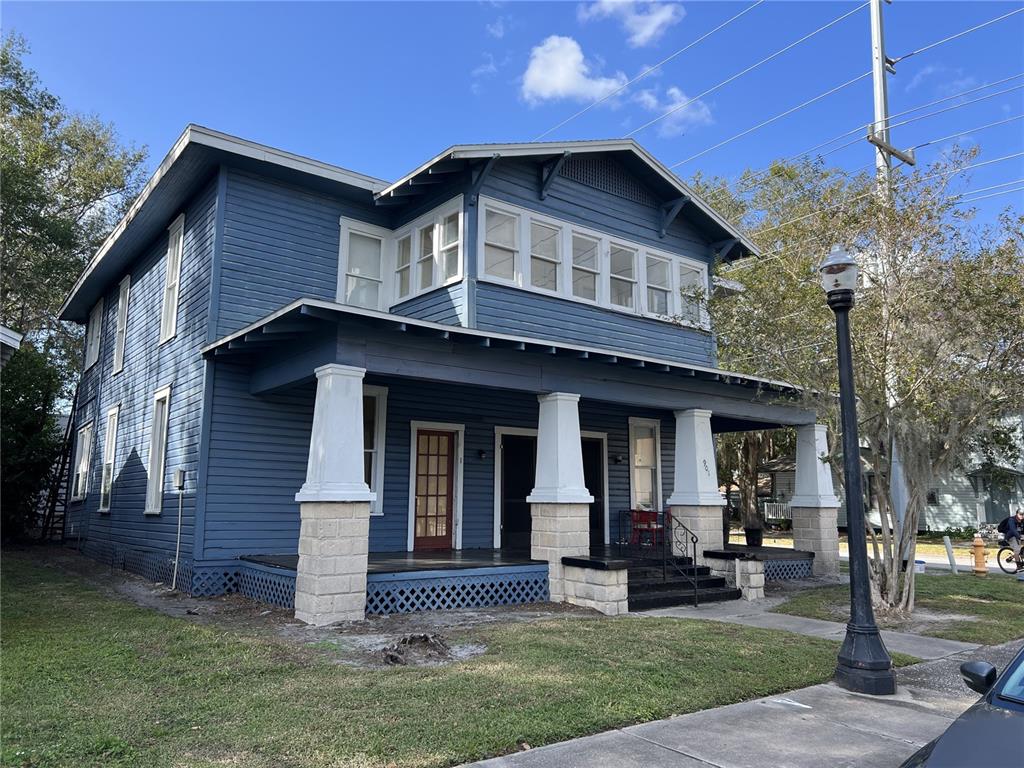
(979, 556)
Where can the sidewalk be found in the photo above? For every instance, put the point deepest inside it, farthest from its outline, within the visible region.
(757, 614)
(809, 728)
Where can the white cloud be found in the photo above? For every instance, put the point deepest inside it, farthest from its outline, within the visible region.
(496, 28)
(954, 82)
(558, 70)
(487, 68)
(686, 117)
(921, 75)
(644, 23)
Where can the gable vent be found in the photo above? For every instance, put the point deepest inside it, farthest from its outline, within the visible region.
(607, 175)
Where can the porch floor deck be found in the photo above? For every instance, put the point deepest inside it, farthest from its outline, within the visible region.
(443, 560)
(733, 551)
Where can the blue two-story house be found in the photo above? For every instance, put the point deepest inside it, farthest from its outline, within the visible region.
(464, 387)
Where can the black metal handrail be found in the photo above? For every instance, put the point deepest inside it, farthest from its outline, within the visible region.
(664, 545)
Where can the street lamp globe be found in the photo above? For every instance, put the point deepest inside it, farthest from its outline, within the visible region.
(838, 271)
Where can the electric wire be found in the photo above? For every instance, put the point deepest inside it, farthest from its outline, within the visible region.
(993, 194)
(937, 43)
(752, 67)
(649, 70)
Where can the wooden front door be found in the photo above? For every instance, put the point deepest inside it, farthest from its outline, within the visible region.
(435, 489)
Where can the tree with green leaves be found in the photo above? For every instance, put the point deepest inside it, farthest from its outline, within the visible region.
(938, 330)
(67, 179)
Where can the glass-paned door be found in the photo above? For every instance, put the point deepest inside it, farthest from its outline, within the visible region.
(435, 484)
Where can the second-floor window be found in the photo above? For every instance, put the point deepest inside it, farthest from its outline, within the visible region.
(364, 271)
(537, 253)
(94, 335)
(172, 278)
(157, 451)
(109, 450)
(121, 333)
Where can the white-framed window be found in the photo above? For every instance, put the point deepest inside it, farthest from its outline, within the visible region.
(403, 268)
(659, 285)
(83, 457)
(379, 267)
(586, 266)
(425, 258)
(121, 334)
(172, 279)
(534, 252)
(109, 451)
(645, 464)
(362, 258)
(375, 414)
(157, 451)
(622, 276)
(94, 335)
(501, 244)
(545, 256)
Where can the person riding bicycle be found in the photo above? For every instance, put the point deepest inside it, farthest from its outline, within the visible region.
(1012, 529)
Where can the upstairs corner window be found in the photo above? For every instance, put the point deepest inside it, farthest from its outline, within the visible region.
(93, 335)
(623, 276)
(426, 257)
(450, 247)
(692, 290)
(363, 274)
(157, 452)
(585, 267)
(122, 323)
(403, 270)
(500, 245)
(544, 256)
(83, 455)
(109, 448)
(659, 283)
(175, 246)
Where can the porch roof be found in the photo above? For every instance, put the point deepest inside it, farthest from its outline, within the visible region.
(307, 315)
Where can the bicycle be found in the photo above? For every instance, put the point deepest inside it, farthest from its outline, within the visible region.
(1007, 562)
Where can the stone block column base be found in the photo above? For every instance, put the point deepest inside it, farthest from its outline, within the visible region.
(330, 584)
(745, 575)
(604, 591)
(706, 523)
(559, 530)
(816, 529)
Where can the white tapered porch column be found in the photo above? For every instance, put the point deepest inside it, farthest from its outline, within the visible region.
(696, 501)
(814, 504)
(560, 501)
(334, 503)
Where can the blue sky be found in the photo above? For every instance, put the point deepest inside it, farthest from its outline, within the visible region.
(381, 87)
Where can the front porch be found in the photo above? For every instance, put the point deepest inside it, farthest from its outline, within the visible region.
(445, 472)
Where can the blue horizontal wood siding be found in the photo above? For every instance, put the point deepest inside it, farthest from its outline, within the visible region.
(443, 305)
(280, 243)
(259, 448)
(524, 313)
(148, 366)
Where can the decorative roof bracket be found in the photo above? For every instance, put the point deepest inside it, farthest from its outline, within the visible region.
(480, 177)
(548, 172)
(669, 211)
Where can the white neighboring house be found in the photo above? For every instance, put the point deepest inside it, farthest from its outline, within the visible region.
(9, 341)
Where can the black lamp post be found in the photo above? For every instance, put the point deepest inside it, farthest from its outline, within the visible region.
(864, 663)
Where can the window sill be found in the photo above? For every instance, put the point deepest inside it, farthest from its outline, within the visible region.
(164, 341)
(152, 512)
(104, 511)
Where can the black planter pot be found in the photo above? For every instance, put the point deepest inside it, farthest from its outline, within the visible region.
(755, 536)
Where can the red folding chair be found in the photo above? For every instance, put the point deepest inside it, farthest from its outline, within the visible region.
(644, 522)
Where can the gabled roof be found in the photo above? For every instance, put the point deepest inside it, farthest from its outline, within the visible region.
(641, 162)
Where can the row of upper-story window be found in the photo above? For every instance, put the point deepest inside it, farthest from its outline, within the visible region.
(379, 268)
(168, 311)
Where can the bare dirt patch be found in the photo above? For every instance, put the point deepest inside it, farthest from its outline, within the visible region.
(359, 643)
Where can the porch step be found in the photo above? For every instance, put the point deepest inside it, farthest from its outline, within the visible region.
(673, 583)
(645, 574)
(649, 600)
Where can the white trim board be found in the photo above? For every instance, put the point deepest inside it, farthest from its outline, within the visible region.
(460, 445)
(500, 432)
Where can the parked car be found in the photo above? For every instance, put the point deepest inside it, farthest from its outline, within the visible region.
(987, 734)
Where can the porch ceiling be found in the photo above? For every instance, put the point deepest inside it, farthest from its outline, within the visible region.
(281, 343)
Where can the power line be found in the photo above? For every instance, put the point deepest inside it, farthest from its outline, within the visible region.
(752, 67)
(957, 35)
(994, 186)
(993, 194)
(770, 120)
(648, 71)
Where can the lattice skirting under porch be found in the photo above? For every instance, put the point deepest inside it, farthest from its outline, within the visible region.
(151, 565)
(782, 570)
(442, 590)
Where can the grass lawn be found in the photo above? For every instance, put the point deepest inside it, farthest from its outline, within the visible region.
(996, 603)
(94, 680)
